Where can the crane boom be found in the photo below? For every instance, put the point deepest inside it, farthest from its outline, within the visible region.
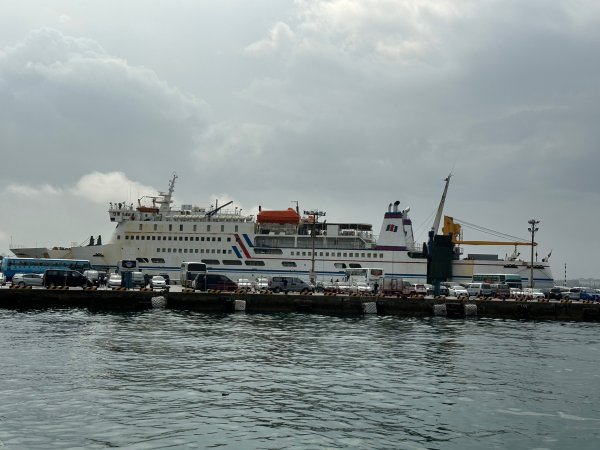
(438, 216)
(493, 243)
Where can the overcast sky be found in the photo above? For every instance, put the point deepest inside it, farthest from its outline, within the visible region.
(342, 105)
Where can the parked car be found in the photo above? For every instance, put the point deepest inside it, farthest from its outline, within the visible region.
(158, 282)
(581, 293)
(479, 290)
(214, 281)
(27, 279)
(558, 292)
(2, 279)
(65, 277)
(500, 290)
(244, 283)
(93, 276)
(361, 287)
(515, 292)
(325, 286)
(290, 284)
(533, 293)
(114, 280)
(457, 291)
(262, 283)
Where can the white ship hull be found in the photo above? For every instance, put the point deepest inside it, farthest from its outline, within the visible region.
(243, 247)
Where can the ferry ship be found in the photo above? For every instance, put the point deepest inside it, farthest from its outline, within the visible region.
(285, 242)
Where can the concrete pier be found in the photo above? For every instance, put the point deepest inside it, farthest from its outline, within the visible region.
(226, 302)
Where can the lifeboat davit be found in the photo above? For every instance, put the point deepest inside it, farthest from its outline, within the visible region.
(282, 217)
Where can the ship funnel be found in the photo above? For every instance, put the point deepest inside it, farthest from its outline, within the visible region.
(396, 203)
(390, 207)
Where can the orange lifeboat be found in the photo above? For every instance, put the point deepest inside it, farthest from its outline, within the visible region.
(282, 217)
(147, 209)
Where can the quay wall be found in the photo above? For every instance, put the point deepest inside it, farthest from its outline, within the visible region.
(138, 300)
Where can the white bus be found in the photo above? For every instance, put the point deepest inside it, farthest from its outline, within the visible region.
(189, 271)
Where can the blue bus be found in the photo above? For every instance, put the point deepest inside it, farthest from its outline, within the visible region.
(9, 265)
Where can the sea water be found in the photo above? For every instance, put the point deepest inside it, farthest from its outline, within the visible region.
(167, 379)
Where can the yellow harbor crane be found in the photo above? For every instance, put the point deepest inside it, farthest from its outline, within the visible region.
(454, 230)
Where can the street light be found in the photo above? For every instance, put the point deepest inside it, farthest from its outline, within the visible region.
(315, 215)
(532, 229)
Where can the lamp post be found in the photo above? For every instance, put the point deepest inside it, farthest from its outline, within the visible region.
(315, 217)
(532, 229)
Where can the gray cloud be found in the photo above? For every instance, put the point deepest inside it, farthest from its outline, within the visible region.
(342, 105)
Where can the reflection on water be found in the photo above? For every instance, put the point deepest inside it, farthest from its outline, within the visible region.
(164, 379)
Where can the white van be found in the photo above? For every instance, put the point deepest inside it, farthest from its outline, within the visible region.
(479, 290)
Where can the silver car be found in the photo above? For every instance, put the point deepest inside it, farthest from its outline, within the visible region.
(28, 279)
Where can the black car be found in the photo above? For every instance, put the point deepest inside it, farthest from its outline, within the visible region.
(65, 277)
(213, 281)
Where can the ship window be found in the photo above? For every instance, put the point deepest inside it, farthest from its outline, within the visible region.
(170, 227)
(118, 236)
(195, 226)
(126, 237)
(168, 250)
(254, 262)
(222, 228)
(158, 250)
(320, 253)
(229, 252)
(236, 228)
(326, 253)
(155, 227)
(232, 262)
(181, 238)
(288, 263)
(344, 255)
(169, 237)
(137, 238)
(368, 255)
(354, 266)
(213, 250)
(158, 260)
(186, 238)
(207, 228)
(202, 238)
(197, 238)
(164, 249)
(219, 239)
(228, 239)
(339, 265)
(140, 227)
(339, 254)
(196, 251)
(381, 255)
(185, 250)
(212, 262)
(143, 238)
(179, 250)
(214, 239)
(180, 227)
(303, 253)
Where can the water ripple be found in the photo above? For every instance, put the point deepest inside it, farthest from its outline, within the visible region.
(163, 379)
